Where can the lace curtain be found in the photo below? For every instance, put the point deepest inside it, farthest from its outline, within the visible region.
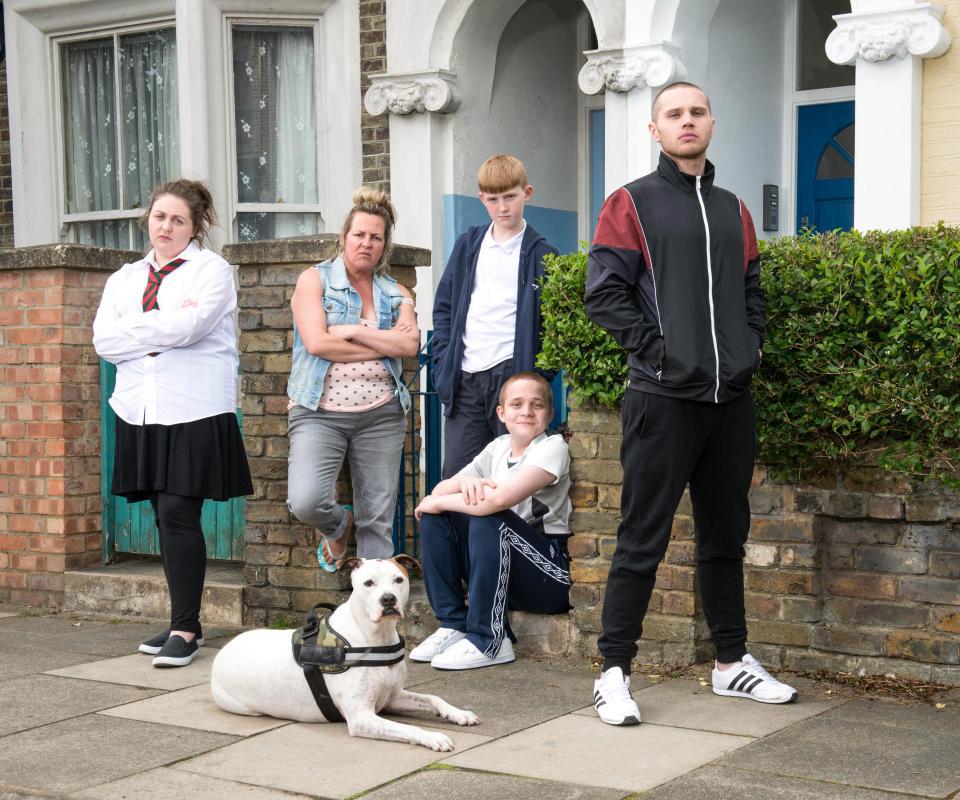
(103, 173)
(275, 106)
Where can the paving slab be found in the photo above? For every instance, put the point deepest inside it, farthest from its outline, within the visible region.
(319, 759)
(138, 670)
(94, 637)
(194, 708)
(711, 782)
(686, 703)
(876, 745)
(87, 751)
(469, 785)
(18, 659)
(171, 784)
(511, 697)
(41, 699)
(583, 750)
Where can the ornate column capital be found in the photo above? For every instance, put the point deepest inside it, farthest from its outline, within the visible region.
(624, 68)
(897, 32)
(412, 92)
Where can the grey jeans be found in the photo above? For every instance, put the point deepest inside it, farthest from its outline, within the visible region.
(373, 442)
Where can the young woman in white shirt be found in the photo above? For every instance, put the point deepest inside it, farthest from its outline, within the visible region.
(167, 322)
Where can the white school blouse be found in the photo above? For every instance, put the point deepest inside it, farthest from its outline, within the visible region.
(194, 374)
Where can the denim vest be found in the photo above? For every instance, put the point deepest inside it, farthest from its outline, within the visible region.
(341, 302)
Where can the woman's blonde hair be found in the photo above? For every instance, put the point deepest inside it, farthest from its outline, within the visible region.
(367, 200)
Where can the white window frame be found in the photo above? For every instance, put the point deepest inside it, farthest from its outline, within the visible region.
(585, 104)
(793, 98)
(68, 219)
(36, 146)
(236, 207)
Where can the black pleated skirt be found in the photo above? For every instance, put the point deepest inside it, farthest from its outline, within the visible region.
(203, 458)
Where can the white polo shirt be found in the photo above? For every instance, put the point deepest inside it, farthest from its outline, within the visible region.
(194, 374)
(547, 509)
(492, 317)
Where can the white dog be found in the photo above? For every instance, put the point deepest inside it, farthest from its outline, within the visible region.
(256, 674)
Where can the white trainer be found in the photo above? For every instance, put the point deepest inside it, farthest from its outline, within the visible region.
(465, 655)
(748, 679)
(434, 644)
(612, 698)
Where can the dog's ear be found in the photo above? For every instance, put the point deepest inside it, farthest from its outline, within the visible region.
(409, 563)
(348, 565)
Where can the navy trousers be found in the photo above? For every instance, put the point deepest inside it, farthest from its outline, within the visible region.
(506, 564)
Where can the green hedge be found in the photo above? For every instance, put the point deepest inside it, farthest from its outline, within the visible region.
(862, 358)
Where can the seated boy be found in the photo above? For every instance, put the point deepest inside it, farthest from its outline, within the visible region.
(500, 524)
(486, 312)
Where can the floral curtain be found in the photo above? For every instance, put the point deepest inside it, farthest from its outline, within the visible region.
(97, 176)
(275, 107)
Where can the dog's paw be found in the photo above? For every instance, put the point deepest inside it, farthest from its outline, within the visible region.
(437, 741)
(462, 717)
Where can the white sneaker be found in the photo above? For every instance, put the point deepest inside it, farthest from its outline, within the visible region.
(465, 655)
(612, 699)
(748, 679)
(434, 644)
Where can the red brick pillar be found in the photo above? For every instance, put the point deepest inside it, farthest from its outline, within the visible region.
(49, 417)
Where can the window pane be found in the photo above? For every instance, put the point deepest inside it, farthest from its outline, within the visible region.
(110, 233)
(836, 161)
(148, 95)
(814, 69)
(89, 126)
(255, 226)
(275, 115)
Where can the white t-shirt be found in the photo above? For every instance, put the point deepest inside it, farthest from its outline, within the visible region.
(547, 510)
(194, 374)
(492, 317)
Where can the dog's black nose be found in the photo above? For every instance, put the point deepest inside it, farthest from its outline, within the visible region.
(388, 600)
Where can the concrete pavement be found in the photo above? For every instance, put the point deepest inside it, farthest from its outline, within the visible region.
(82, 715)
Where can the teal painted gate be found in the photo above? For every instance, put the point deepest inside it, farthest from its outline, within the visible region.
(131, 527)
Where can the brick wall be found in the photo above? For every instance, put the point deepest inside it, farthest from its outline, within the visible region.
(858, 572)
(49, 417)
(6, 182)
(280, 574)
(374, 131)
(940, 127)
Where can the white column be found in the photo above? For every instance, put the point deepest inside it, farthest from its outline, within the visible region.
(631, 77)
(419, 104)
(888, 42)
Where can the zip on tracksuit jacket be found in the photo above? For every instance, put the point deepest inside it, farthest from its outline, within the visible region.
(674, 275)
(452, 301)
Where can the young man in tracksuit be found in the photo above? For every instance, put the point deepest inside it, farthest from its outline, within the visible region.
(674, 276)
(486, 312)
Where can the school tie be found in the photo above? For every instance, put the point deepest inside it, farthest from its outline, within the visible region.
(154, 279)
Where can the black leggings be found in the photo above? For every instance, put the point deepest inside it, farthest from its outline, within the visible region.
(184, 555)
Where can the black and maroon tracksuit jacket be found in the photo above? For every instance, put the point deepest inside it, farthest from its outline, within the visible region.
(674, 276)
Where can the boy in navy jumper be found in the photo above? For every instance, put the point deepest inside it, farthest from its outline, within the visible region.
(486, 313)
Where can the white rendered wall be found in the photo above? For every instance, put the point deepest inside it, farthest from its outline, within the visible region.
(743, 76)
(531, 108)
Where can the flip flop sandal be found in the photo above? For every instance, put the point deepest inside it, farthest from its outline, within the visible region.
(325, 565)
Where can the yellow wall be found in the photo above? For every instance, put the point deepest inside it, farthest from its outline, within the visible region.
(940, 133)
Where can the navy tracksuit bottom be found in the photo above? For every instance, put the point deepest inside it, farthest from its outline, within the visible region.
(505, 563)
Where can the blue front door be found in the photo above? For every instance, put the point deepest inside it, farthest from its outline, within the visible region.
(825, 157)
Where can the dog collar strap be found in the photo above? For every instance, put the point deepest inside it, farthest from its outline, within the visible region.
(319, 649)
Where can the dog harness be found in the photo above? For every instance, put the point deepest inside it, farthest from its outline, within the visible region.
(319, 650)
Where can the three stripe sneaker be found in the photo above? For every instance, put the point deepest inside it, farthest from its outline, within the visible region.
(748, 679)
(611, 698)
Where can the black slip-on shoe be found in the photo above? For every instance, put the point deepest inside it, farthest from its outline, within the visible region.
(153, 645)
(176, 652)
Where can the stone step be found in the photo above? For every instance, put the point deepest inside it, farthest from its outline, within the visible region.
(137, 588)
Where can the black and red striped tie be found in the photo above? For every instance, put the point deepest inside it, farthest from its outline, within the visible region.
(154, 279)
